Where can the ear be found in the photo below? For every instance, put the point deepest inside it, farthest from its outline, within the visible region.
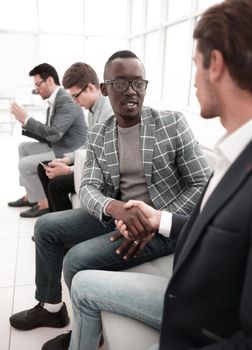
(103, 87)
(50, 80)
(217, 65)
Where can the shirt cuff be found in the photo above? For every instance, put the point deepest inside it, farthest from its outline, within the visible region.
(26, 120)
(165, 224)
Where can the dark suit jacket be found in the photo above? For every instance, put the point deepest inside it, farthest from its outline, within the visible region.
(208, 302)
(68, 129)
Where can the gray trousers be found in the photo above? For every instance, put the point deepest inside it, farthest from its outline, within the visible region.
(30, 153)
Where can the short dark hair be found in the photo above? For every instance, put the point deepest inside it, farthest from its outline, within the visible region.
(45, 70)
(120, 54)
(80, 74)
(227, 27)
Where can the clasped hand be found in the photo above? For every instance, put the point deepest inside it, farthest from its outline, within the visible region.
(132, 248)
(57, 167)
(137, 222)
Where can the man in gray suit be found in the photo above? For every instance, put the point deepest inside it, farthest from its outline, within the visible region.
(57, 177)
(64, 131)
(139, 153)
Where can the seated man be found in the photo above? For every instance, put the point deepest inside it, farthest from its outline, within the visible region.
(57, 178)
(64, 131)
(168, 172)
(208, 302)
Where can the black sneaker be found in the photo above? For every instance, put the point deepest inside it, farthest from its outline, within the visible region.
(61, 342)
(39, 317)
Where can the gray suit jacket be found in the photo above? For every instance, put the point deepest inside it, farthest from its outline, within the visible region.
(174, 166)
(68, 129)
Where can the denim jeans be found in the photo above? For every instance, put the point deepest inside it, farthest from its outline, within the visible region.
(91, 250)
(138, 296)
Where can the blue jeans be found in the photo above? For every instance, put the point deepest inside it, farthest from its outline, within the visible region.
(91, 249)
(138, 296)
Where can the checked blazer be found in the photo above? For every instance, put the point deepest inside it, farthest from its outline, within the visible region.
(174, 166)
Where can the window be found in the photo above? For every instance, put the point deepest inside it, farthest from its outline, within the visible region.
(57, 16)
(18, 15)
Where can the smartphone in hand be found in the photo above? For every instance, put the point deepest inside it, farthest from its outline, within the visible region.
(44, 163)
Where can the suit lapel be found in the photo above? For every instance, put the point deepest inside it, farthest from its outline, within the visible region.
(50, 116)
(47, 115)
(111, 154)
(230, 183)
(147, 131)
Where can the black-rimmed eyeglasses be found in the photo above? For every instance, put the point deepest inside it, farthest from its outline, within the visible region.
(37, 85)
(79, 93)
(122, 85)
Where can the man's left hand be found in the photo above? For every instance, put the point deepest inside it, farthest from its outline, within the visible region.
(134, 248)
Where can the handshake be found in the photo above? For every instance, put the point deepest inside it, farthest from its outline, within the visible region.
(137, 222)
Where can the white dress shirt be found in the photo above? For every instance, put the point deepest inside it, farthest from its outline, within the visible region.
(50, 102)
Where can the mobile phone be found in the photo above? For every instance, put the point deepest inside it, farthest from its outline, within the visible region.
(44, 163)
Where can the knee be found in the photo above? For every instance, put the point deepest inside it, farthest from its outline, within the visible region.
(83, 280)
(22, 165)
(42, 227)
(21, 150)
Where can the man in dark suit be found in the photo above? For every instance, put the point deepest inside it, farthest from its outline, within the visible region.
(208, 301)
(64, 131)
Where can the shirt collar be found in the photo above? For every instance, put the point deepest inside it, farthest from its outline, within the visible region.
(51, 99)
(231, 145)
(98, 104)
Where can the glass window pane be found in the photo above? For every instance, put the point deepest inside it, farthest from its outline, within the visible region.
(203, 4)
(15, 80)
(178, 8)
(137, 46)
(176, 70)
(106, 17)
(152, 66)
(18, 15)
(137, 16)
(60, 51)
(153, 13)
(59, 16)
(98, 51)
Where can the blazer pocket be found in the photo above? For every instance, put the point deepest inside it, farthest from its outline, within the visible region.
(221, 232)
(210, 335)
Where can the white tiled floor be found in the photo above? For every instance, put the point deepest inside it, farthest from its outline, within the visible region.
(17, 257)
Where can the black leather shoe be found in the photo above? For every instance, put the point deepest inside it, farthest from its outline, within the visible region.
(21, 202)
(39, 317)
(34, 212)
(61, 342)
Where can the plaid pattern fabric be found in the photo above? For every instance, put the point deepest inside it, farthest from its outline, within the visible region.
(174, 166)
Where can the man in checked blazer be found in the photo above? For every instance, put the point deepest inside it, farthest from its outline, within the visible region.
(65, 130)
(139, 153)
